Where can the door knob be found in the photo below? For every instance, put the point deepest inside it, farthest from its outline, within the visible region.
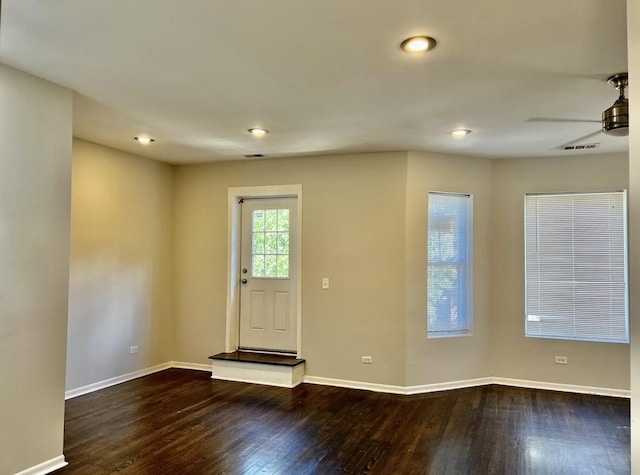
(243, 281)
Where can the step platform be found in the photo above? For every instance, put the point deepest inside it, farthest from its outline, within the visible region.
(258, 368)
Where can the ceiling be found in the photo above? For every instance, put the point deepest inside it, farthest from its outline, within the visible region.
(325, 76)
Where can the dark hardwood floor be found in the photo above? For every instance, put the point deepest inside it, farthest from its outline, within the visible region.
(182, 422)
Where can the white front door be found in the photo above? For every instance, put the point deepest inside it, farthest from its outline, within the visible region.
(268, 274)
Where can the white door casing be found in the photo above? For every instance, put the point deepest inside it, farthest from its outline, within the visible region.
(234, 275)
(268, 276)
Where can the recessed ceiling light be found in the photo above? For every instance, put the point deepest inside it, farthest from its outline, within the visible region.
(460, 132)
(144, 140)
(418, 44)
(258, 132)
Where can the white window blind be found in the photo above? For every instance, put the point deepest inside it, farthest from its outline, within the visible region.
(576, 266)
(449, 264)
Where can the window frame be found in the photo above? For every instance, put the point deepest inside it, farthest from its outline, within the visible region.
(528, 315)
(467, 264)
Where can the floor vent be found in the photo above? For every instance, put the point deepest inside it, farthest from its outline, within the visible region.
(587, 146)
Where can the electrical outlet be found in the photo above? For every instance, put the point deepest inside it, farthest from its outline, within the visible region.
(367, 360)
(133, 350)
(325, 283)
(561, 360)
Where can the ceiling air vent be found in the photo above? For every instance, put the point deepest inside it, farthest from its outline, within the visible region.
(586, 146)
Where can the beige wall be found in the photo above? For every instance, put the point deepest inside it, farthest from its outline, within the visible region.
(446, 359)
(35, 164)
(120, 284)
(514, 356)
(353, 233)
(633, 33)
(364, 226)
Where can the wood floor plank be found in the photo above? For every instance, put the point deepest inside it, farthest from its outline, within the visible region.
(182, 422)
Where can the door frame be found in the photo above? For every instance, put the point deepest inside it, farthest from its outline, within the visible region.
(234, 226)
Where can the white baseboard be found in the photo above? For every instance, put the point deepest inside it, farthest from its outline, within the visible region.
(568, 388)
(89, 388)
(431, 388)
(343, 383)
(405, 390)
(45, 467)
(467, 383)
(196, 366)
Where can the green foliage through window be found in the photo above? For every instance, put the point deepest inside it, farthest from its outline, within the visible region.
(270, 243)
(449, 264)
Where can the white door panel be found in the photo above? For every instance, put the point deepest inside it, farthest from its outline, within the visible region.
(268, 274)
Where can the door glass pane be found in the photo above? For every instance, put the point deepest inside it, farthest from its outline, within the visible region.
(283, 266)
(270, 265)
(258, 243)
(270, 243)
(283, 243)
(283, 220)
(271, 220)
(258, 220)
(258, 265)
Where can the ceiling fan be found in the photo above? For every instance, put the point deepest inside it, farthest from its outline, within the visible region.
(615, 119)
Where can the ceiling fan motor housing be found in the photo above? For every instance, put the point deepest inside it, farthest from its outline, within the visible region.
(615, 120)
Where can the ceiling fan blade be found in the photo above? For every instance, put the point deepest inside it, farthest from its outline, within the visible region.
(551, 119)
(582, 139)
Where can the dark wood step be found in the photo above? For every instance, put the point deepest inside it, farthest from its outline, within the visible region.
(260, 358)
